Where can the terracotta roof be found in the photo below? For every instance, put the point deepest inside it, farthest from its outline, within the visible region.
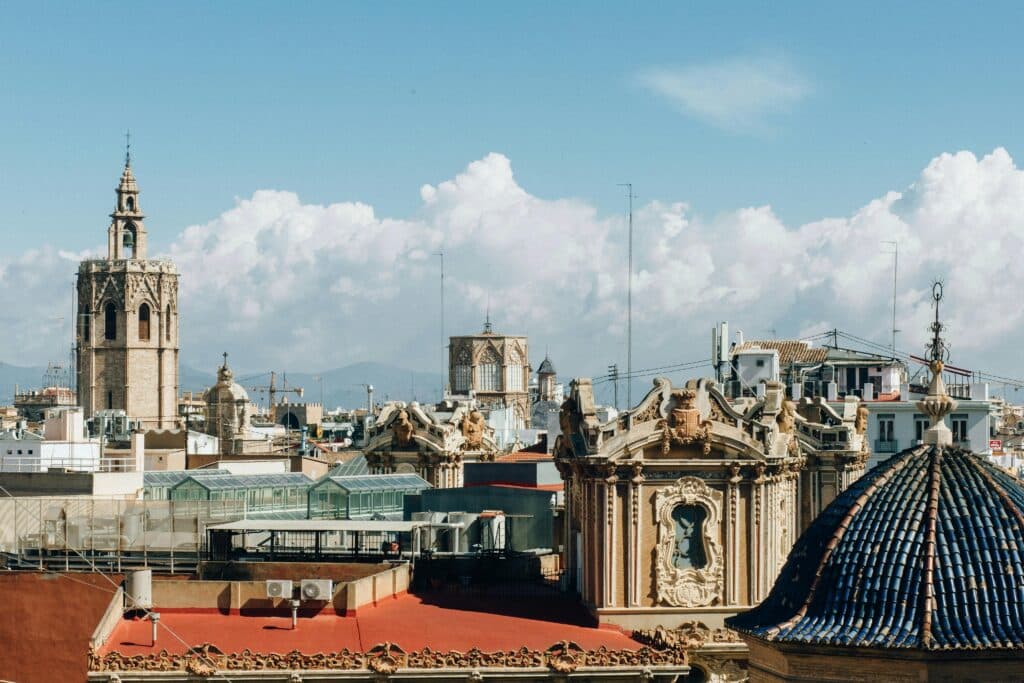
(409, 621)
(47, 622)
(790, 350)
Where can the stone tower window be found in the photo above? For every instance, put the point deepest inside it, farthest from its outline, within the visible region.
(144, 322)
(488, 373)
(110, 322)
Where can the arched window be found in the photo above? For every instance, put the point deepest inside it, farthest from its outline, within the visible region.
(167, 324)
(488, 373)
(463, 372)
(514, 373)
(144, 322)
(110, 322)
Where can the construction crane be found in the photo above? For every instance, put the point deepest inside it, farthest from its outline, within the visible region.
(272, 390)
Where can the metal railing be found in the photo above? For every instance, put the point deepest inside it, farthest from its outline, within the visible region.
(31, 463)
(886, 446)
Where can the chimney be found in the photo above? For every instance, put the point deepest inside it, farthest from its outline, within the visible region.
(138, 449)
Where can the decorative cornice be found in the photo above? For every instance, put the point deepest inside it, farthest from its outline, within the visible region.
(387, 658)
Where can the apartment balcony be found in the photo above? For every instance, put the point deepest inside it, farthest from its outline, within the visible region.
(886, 446)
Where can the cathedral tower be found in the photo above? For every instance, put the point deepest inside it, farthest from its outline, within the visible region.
(127, 323)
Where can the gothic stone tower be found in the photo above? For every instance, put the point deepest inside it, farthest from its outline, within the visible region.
(127, 329)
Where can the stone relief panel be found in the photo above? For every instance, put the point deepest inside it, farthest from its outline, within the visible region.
(689, 564)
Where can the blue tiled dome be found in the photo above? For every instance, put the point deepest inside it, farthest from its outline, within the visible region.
(924, 551)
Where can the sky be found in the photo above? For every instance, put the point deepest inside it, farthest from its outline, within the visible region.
(302, 164)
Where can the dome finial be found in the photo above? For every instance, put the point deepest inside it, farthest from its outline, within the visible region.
(937, 404)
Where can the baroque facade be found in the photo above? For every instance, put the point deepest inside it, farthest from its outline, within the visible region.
(434, 444)
(127, 322)
(683, 510)
(495, 368)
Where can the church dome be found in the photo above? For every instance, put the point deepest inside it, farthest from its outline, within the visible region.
(925, 551)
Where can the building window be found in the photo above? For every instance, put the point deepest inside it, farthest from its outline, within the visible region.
(110, 322)
(921, 424)
(959, 424)
(514, 377)
(488, 371)
(886, 427)
(488, 377)
(688, 551)
(463, 377)
(144, 322)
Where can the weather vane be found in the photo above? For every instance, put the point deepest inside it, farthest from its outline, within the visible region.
(937, 347)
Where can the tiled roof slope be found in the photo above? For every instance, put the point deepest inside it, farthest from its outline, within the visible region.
(790, 351)
(924, 551)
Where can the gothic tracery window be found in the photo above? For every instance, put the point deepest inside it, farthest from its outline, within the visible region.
(488, 372)
(514, 373)
(463, 373)
(144, 322)
(110, 322)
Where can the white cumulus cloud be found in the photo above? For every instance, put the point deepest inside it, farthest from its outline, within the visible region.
(286, 284)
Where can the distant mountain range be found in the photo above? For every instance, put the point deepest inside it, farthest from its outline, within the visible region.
(341, 386)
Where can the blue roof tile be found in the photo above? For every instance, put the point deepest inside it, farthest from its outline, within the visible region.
(924, 551)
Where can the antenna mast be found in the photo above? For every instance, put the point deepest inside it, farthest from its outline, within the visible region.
(629, 304)
(895, 268)
(444, 341)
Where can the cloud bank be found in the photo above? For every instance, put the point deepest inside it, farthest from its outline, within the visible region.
(288, 285)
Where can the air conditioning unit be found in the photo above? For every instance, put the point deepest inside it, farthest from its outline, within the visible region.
(279, 588)
(317, 589)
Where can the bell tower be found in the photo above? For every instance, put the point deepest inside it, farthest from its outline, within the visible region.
(126, 237)
(127, 322)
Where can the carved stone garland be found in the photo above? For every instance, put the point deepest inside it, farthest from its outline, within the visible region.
(689, 587)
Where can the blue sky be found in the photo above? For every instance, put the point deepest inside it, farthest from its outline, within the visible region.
(342, 100)
(811, 109)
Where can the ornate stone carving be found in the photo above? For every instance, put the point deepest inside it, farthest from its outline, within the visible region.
(689, 586)
(385, 659)
(403, 429)
(684, 426)
(689, 635)
(565, 657)
(786, 419)
(473, 426)
(861, 422)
